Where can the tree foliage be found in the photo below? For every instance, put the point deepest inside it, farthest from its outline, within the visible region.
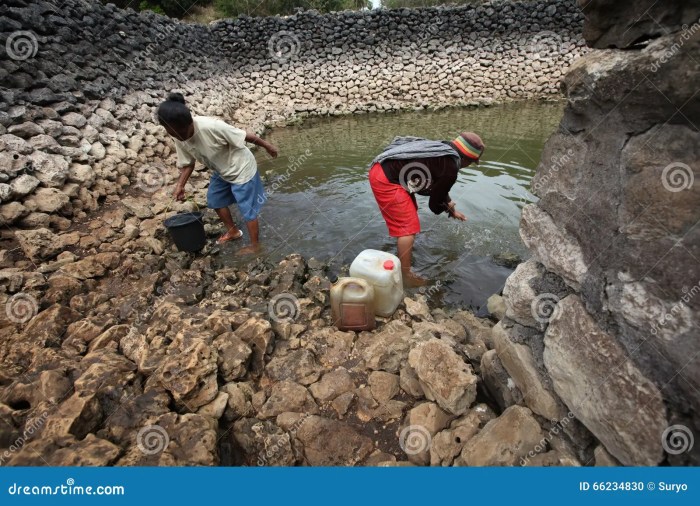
(233, 8)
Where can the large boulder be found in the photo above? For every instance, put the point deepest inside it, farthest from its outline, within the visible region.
(503, 441)
(519, 361)
(444, 376)
(596, 379)
(610, 23)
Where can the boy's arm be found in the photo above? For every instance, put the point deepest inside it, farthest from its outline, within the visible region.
(185, 173)
(254, 139)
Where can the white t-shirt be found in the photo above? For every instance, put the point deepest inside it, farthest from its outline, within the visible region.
(220, 147)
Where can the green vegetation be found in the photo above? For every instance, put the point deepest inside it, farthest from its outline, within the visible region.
(395, 4)
(208, 10)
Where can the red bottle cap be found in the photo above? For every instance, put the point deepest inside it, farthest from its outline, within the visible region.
(389, 265)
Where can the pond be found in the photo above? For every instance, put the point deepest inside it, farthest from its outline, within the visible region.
(320, 203)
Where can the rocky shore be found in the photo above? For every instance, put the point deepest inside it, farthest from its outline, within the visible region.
(119, 350)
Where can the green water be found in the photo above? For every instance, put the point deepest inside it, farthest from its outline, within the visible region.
(321, 205)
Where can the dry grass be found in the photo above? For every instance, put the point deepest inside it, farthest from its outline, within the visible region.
(204, 14)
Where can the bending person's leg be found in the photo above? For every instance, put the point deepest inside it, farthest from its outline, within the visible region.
(404, 245)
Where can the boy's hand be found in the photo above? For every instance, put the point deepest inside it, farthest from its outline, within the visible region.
(458, 216)
(179, 193)
(272, 150)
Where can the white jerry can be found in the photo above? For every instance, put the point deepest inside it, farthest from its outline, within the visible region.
(383, 271)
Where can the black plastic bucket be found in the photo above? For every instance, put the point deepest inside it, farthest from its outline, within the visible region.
(187, 231)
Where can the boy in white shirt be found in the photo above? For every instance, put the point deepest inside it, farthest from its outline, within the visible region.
(221, 148)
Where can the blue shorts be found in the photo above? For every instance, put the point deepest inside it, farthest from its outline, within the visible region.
(249, 196)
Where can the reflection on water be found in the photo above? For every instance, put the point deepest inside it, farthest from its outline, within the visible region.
(321, 205)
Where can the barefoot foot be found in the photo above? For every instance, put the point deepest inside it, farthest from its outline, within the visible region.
(412, 280)
(248, 250)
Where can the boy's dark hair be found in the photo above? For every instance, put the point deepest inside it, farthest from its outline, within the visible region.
(174, 112)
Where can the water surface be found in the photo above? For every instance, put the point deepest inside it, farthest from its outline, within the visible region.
(321, 205)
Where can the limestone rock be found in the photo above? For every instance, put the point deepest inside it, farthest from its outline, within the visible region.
(423, 422)
(444, 376)
(383, 385)
(51, 170)
(503, 441)
(287, 396)
(233, 356)
(332, 385)
(520, 364)
(388, 349)
(331, 443)
(47, 200)
(603, 388)
(190, 374)
(39, 244)
(23, 185)
(67, 451)
(498, 382)
(299, 366)
(553, 247)
(496, 306)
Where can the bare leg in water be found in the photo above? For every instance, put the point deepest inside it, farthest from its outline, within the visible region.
(404, 245)
(232, 231)
(254, 246)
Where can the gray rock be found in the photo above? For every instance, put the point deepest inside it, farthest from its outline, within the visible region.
(25, 130)
(603, 388)
(519, 361)
(503, 441)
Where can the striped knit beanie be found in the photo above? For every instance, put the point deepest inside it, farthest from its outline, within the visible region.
(469, 145)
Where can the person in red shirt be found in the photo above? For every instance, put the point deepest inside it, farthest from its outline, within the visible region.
(417, 166)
